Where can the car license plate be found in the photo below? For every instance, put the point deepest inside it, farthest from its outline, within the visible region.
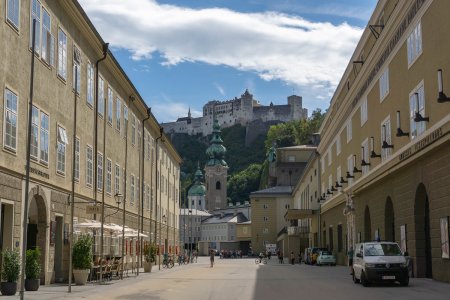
(388, 277)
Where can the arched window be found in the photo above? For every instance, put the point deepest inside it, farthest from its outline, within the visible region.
(218, 185)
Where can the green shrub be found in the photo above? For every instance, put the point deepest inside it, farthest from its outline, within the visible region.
(33, 264)
(82, 253)
(150, 252)
(11, 265)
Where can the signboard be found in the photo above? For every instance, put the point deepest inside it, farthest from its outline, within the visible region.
(93, 209)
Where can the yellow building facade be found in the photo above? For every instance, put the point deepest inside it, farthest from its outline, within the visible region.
(119, 148)
(384, 150)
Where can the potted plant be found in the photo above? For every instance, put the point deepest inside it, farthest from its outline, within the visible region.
(32, 269)
(149, 256)
(82, 259)
(10, 272)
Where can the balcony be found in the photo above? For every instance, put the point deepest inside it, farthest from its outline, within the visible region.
(298, 230)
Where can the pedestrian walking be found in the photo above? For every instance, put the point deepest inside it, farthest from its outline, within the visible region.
(211, 257)
(350, 259)
(292, 257)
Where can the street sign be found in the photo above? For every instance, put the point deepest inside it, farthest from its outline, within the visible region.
(93, 209)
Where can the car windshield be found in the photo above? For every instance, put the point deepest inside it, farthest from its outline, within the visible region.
(382, 250)
(326, 253)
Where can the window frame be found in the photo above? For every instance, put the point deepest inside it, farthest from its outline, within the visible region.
(63, 143)
(108, 176)
(110, 106)
(101, 96)
(349, 130)
(412, 53)
(117, 179)
(62, 61)
(77, 159)
(89, 170)
(386, 153)
(118, 115)
(17, 9)
(417, 129)
(100, 170)
(364, 111)
(90, 85)
(384, 84)
(5, 110)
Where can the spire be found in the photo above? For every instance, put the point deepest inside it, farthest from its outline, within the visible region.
(216, 151)
(189, 112)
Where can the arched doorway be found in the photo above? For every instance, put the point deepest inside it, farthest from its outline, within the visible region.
(367, 225)
(422, 233)
(389, 221)
(37, 227)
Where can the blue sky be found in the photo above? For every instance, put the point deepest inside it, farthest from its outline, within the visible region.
(181, 54)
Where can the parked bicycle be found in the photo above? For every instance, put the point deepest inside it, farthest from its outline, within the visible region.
(261, 260)
(168, 262)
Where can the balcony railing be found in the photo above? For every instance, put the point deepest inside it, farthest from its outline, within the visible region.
(298, 230)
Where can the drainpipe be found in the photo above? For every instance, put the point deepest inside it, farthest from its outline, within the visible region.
(161, 129)
(141, 207)
(27, 170)
(105, 53)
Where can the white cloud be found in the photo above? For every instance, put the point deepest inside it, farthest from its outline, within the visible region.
(273, 45)
(219, 88)
(170, 111)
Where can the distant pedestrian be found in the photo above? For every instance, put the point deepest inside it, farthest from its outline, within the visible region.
(292, 257)
(269, 255)
(211, 257)
(299, 258)
(350, 259)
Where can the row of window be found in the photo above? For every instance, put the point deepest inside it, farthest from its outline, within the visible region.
(416, 105)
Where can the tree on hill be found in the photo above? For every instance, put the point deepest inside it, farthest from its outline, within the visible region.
(243, 183)
(297, 132)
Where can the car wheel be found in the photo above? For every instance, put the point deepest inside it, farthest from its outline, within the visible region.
(364, 280)
(355, 280)
(405, 282)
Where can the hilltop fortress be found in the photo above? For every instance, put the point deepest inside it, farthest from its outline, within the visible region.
(244, 110)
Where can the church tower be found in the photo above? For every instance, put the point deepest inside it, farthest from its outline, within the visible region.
(197, 192)
(216, 171)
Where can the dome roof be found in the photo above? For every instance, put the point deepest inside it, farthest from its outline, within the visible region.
(197, 189)
(216, 151)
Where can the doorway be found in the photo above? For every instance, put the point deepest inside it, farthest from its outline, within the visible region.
(389, 221)
(422, 233)
(59, 276)
(367, 225)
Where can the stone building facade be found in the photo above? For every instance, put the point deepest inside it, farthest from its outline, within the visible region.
(385, 139)
(118, 148)
(243, 110)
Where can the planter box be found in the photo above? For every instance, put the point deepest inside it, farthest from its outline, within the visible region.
(81, 276)
(32, 284)
(147, 267)
(8, 288)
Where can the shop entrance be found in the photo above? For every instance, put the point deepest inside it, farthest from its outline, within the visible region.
(37, 228)
(422, 233)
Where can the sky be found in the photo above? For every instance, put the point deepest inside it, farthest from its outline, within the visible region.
(180, 54)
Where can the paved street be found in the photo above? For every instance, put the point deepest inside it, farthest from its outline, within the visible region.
(242, 279)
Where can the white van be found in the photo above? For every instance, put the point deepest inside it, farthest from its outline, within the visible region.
(379, 262)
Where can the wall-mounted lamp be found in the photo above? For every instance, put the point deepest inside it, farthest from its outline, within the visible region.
(338, 185)
(442, 97)
(343, 180)
(372, 151)
(399, 130)
(363, 162)
(349, 176)
(355, 169)
(385, 143)
(419, 117)
(333, 189)
(329, 192)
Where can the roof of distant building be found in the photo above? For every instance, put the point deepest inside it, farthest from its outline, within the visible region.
(275, 190)
(195, 212)
(226, 218)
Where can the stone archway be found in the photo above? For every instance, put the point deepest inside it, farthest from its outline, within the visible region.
(389, 221)
(367, 225)
(37, 227)
(422, 233)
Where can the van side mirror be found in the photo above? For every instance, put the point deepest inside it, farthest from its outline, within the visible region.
(406, 253)
(359, 255)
